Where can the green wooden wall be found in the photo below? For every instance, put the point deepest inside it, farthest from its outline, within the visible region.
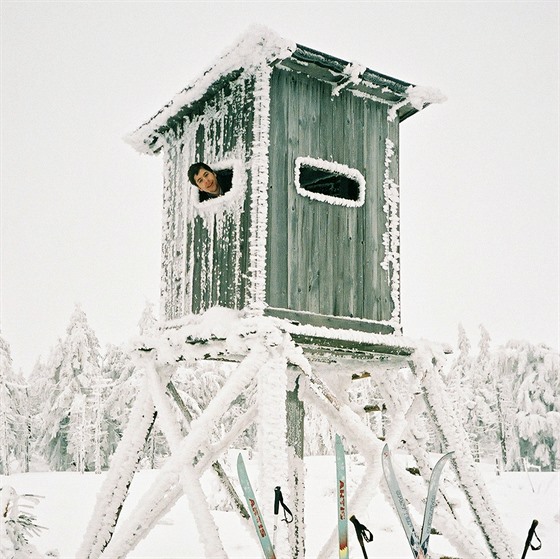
(323, 258)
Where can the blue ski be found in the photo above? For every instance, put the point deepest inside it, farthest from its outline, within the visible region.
(341, 498)
(258, 520)
(419, 546)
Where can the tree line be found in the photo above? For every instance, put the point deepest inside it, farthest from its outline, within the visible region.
(71, 411)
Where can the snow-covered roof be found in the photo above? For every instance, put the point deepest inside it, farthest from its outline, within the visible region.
(261, 46)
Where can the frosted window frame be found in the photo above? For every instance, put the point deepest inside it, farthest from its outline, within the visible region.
(333, 167)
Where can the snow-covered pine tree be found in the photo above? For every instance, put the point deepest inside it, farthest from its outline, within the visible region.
(505, 411)
(25, 412)
(148, 323)
(125, 382)
(484, 375)
(17, 525)
(459, 375)
(9, 420)
(79, 432)
(535, 370)
(73, 367)
(40, 387)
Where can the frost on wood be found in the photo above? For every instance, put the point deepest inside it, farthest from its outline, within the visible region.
(258, 47)
(427, 364)
(259, 203)
(391, 236)
(419, 97)
(353, 72)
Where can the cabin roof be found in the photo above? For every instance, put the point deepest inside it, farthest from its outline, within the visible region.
(260, 46)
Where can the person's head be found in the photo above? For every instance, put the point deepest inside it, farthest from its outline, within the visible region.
(203, 177)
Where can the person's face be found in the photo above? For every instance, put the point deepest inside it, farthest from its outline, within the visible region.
(206, 181)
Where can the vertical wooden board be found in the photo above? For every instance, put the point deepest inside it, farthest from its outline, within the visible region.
(242, 282)
(348, 241)
(311, 145)
(357, 140)
(279, 160)
(293, 148)
(342, 276)
(327, 225)
(373, 161)
(196, 273)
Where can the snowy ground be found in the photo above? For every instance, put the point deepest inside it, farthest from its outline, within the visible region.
(69, 499)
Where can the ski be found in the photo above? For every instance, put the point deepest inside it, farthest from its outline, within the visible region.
(431, 502)
(418, 546)
(258, 520)
(341, 498)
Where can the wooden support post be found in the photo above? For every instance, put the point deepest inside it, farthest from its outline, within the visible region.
(216, 466)
(295, 414)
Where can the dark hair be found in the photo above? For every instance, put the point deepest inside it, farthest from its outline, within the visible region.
(194, 169)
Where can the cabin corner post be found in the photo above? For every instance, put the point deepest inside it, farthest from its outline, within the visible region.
(259, 177)
(391, 236)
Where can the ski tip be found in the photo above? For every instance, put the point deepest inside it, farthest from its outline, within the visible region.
(337, 439)
(385, 449)
(240, 460)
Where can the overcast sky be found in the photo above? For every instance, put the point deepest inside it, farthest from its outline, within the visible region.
(479, 173)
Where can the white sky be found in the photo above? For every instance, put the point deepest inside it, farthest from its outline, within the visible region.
(81, 210)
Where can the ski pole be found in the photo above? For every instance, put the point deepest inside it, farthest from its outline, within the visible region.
(532, 533)
(279, 500)
(277, 496)
(362, 533)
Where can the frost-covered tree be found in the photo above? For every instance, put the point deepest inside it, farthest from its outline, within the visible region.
(484, 381)
(148, 323)
(40, 386)
(459, 374)
(17, 525)
(535, 373)
(25, 410)
(74, 366)
(79, 432)
(124, 384)
(9, 419)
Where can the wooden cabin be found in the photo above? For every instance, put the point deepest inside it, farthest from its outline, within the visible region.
(308, 146)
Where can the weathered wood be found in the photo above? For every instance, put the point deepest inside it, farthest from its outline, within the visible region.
(277, 241)
(330, 255)
(329, 321)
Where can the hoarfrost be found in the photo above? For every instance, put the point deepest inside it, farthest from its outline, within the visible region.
(418, 96)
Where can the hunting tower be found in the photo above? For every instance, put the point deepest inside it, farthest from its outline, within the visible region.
(307, 146)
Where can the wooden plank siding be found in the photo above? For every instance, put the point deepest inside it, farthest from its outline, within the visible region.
(324, 259)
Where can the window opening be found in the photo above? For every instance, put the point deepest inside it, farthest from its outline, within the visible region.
(329, 182)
